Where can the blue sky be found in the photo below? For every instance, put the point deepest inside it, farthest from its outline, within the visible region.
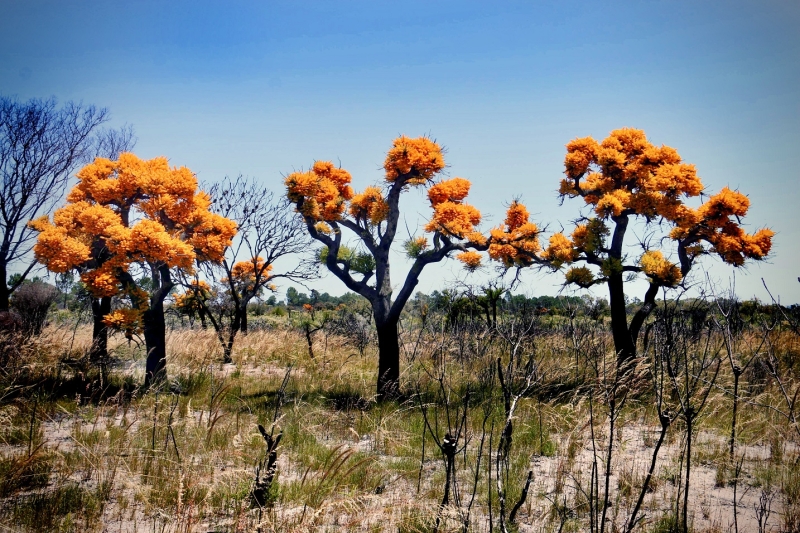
(266, 88)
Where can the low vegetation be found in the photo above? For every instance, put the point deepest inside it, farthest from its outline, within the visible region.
(521, 423)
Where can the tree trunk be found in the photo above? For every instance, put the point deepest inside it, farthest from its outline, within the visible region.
(665, 422)
(238, 323)
(624, 345)
(309, 341)
(227, 348)
(736, 373)
(623, 342)
(647, 308)
(4, 292)
(155, 336)
(388, 360)
(243, 324)
(685, 514)
(99, 349)
(612, 417)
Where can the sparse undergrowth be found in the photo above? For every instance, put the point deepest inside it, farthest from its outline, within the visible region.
(85, 450)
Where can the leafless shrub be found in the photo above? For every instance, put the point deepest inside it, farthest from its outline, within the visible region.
(32, 302)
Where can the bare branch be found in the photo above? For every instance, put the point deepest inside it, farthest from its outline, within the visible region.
(40, 146)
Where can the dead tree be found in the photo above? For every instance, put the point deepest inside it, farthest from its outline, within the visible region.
(268, 465)
(269, 230)
(40, 145)
(517, 376)
(692, 364)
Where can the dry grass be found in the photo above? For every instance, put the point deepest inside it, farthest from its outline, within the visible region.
(85, 452)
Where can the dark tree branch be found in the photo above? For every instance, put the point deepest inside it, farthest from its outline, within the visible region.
(40, 146)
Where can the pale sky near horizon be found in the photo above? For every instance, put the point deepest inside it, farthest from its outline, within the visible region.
(265, 88)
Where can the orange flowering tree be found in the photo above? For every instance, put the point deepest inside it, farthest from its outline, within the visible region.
(191, 302)
(626, 178)
(328, 205)
(133, 218)
(247, 280)
(226, 306)
(268, 233)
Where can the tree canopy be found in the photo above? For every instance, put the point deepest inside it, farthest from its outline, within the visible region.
(625, 177)
(328, 204)
(133, 214)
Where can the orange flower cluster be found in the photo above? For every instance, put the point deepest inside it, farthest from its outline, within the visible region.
(150, 241)
(415, 160)
(102, 281)
(322, 227)
(209, 233)
(450, 215)
(590, 237)
(320, 193)
(452, 190)
(633, 176)
(580, 154)
(560, 250)
(131, 211)
(189, 300)
(719, 209)
(717, 226)
(471, 259)
(55, 244)
(659, 269)
(516, 242)
(246, 270)
(244, 273)
(129, 320)
(369, 205)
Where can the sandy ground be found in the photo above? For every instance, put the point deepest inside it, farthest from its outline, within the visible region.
(711, 506)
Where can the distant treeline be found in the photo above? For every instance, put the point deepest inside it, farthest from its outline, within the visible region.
(294, 298)
(487, 304)
(445, 300)
(457, 306)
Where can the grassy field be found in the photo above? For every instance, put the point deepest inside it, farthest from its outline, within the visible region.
(87, 450)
